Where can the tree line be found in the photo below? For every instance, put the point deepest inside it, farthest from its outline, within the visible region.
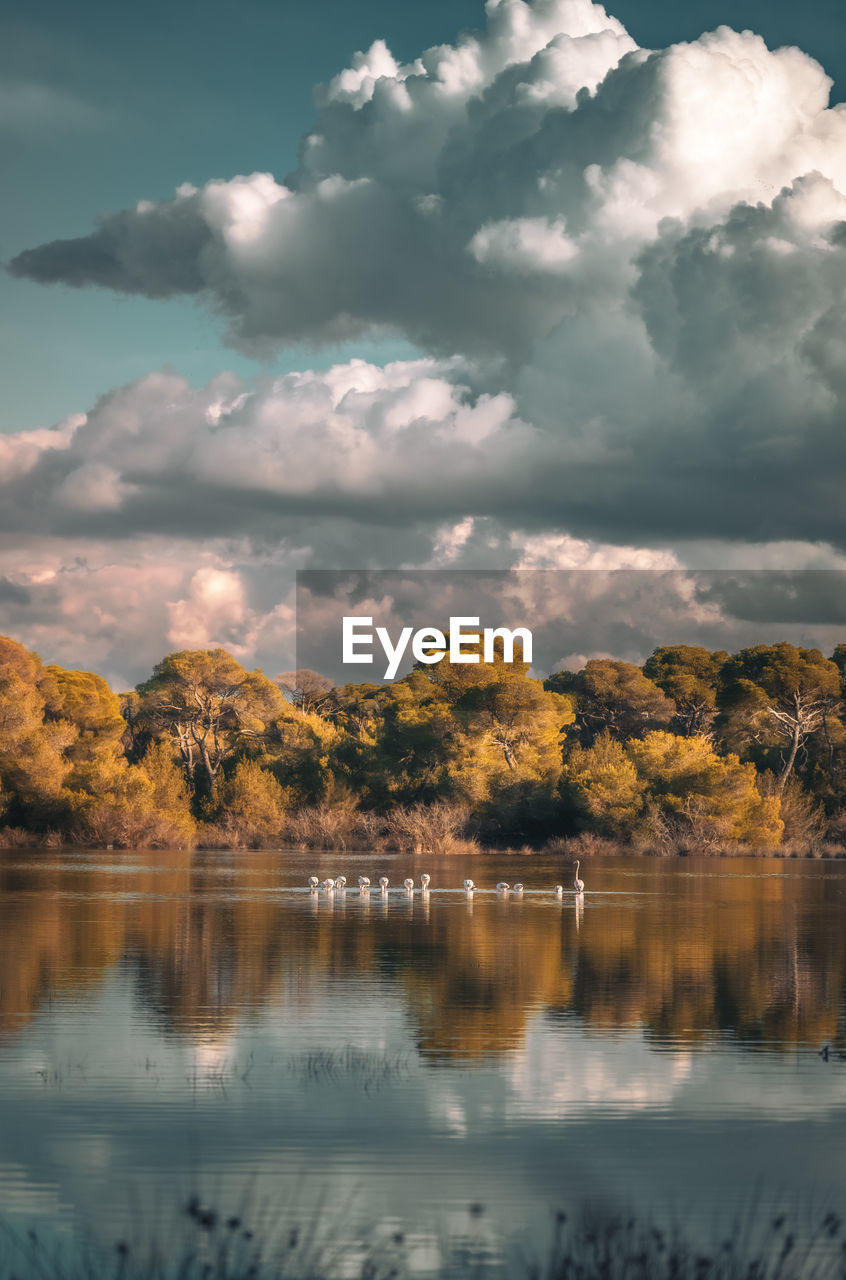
(694, 750)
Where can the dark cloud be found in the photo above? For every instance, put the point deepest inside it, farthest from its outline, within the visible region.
(12, 592)
(573, 614)
(153, 250)
(807, 597)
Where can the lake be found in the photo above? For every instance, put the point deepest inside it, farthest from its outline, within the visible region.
(445, 1066)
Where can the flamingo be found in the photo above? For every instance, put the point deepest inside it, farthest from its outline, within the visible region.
(502, 887)
(469, 886)
(517, 888)
(558, 890)
(424, 881)
(313, 882)
(328, 885)
(383, 883)
(408, 884)
(578, 884)
(364, 882)
(340, 882)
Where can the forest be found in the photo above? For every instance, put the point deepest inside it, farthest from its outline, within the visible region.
(695, 751)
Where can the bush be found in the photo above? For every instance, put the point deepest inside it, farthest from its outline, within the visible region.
(439, 828)
(252, 804)
(341, 826)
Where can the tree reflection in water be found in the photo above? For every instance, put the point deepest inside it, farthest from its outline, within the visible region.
(754, 950)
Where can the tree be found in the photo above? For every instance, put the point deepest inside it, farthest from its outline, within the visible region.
(170, 798)
(671, 788)
(602, 785)
(404, 745)
(307, 690)
(299, 750)
(252, 801)
(84, 700)
(615, 698)
(508, 760)
(839, 660)
(22, 680)
(689, 675)
(517, 717)
(33, 766)
(357, 708)
(210, 707)
(137, 732)
(693, 792)
(102, 791)
(777, 696)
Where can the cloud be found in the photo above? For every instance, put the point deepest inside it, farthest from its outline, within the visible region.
(601, 608)
(421, 443)
(376, 445)
(524, 245)
(423, 189)
(624, 270)
(118, 609)
(215, 606)
(634, 259)
(174, 517)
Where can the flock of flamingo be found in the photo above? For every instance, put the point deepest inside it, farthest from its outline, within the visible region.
(364, 886)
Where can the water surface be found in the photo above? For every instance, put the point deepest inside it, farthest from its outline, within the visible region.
(174, 1021)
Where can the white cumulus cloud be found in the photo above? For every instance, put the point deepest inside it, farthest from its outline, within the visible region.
(624, 270)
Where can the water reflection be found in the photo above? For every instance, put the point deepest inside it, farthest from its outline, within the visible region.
(171, 1018)
(753, 949)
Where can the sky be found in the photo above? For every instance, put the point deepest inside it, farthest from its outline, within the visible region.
(537, 285)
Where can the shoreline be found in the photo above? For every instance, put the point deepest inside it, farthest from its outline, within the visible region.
(567, 848)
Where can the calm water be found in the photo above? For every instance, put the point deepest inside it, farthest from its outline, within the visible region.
(171, 1022)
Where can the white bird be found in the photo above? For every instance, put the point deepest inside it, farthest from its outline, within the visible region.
(328, 885)
(502, 887)
(340, 882)
(313, 882)
(578, 884)
(517, 888)
(364, 882)
(409, 884)
(558, 890)
(383, 883)
(469, 886)
(424, 881)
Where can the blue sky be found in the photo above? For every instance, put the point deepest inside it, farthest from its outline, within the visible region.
(566, 293)
(148, 97)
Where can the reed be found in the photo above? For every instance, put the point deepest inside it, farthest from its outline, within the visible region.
(595, 1244)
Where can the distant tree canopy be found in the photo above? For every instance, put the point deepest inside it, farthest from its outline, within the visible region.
(695, 748)
(777, 696)
(690, 676)
(209, 706)
(307, 689)
(614, 698)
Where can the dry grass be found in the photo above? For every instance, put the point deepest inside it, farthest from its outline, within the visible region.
(585, 845)
(108, 826)
(17, 838)
(327, 826)
(439, 828)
